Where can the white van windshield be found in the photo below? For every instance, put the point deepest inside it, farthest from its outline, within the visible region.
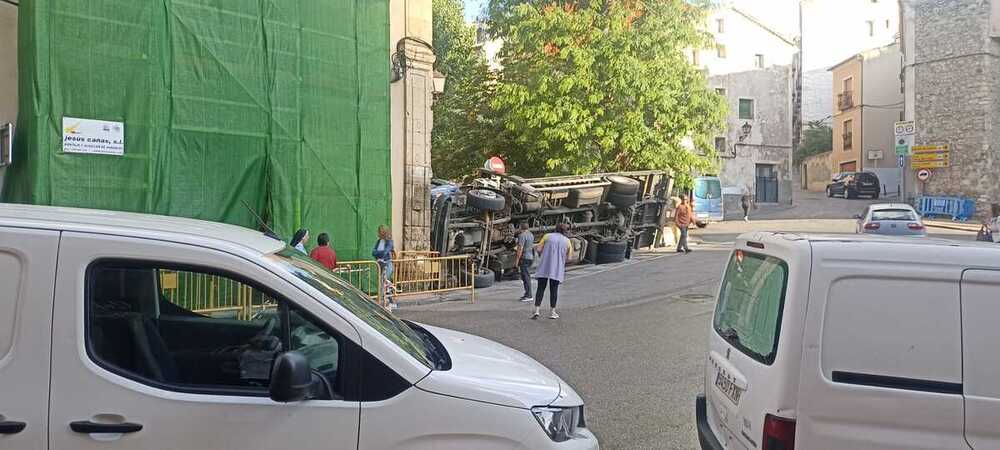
(751, 300)
(347, 296)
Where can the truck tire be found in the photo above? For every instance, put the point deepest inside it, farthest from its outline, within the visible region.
(484, 279)
(611, 252)
(584, 196)
(623, 185)
(621, 201)
(484, 200)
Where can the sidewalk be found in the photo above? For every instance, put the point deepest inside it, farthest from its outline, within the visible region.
(949, 225)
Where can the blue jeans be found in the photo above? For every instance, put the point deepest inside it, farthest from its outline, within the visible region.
(682, 243)
(525, 267)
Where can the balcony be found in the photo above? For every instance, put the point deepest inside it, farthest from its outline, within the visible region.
(848, 141)
(845, 100)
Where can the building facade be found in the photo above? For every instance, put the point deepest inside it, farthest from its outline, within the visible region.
(868, 101)
(952, 91)
(832, 31)
(752, 67)
(756, 150)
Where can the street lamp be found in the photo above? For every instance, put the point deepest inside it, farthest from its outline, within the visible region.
(745, 131)
(439, 79)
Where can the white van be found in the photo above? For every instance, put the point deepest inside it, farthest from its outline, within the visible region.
(125, 331)
(854, 342)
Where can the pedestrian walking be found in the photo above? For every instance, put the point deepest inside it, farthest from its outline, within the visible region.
(323, 254)
(667, 223)
(299, 240)
(683, 218)
(525, 257)
(384, 252)
(995, 222)
(746, 202)
(555, 250)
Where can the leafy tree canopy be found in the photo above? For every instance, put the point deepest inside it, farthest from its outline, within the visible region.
(603, 85)
(817, 138)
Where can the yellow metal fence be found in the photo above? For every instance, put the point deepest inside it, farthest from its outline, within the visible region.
(213, 295)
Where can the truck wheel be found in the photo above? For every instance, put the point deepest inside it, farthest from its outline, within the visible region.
(623, 185)
(621, 201)
(484, 279)
(609, 252)
(484, 200)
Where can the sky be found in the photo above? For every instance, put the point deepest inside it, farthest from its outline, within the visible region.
(473, 8)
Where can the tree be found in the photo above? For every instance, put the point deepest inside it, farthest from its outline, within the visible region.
(604, 85)
(816, 139)
(465, 133)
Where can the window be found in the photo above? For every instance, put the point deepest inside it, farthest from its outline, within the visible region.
(720, 145)
(848, 84)
(887, 26)
(758, 61)
(848, 134)
(748, 314)
(195, 330)
(721, 91)
(720, 25)
(893, 214)
(696, 58)
(746, 109)
(871, 27)
(720, 51)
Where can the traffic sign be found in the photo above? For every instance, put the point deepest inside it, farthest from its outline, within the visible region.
(904, 136)
(923, 174)
(931, 156)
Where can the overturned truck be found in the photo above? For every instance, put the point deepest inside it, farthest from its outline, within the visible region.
(608, 215)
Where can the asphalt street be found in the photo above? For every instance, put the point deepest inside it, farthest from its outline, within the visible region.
(632, 336)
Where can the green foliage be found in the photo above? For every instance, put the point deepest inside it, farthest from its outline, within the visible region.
(603, 85)
(816, 139)
(465, 133)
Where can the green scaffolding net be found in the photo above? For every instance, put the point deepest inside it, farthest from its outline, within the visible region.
(281, 104)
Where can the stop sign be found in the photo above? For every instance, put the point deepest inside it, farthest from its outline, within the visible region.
(495, 165)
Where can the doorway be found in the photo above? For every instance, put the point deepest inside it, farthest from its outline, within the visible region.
(767, 184)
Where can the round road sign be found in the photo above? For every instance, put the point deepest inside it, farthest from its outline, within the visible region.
(923, 174)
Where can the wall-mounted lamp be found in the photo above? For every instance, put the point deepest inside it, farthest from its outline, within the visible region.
(400, 63)
(745, 131)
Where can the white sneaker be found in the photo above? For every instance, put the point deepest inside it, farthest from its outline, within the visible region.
(554, 315)
(393, 306)
(534, 316)
(527, 300)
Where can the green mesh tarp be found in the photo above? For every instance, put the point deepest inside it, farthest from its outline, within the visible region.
(283, 104)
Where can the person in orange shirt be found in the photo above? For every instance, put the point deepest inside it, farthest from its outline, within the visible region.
(323, 254)
(683, 216)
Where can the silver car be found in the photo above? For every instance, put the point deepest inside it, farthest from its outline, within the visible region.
(892, 219)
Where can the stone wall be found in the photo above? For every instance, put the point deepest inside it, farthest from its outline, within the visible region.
(816, 172)
(956, 70)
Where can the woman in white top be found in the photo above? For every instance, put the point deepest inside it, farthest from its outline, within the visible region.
(995, 221)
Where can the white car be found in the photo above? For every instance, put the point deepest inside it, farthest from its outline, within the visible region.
(890, 219)
(128, 331)
(854, 342)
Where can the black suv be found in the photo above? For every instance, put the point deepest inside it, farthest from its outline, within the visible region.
(854, 184)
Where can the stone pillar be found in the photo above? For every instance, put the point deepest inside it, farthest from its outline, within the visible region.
(419, 120)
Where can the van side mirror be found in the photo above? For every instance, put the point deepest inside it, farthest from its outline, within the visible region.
(291, 378)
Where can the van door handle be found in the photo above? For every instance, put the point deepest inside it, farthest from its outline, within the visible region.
(12, 427)
(88, 427)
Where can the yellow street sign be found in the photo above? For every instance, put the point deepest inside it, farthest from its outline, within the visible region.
(927, 157)
(930, 148)
(917, 165)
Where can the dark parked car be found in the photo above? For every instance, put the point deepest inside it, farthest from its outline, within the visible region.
(854, 185)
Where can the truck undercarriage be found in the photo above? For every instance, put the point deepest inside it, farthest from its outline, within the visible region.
(608, 215)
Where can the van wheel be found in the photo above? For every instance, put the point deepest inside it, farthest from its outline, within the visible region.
(875, 196)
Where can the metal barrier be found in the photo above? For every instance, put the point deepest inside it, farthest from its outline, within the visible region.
(212, 295)
(958, 208)
(423, 275)
(364, 275)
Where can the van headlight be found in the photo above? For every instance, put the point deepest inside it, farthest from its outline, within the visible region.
(559, 423)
